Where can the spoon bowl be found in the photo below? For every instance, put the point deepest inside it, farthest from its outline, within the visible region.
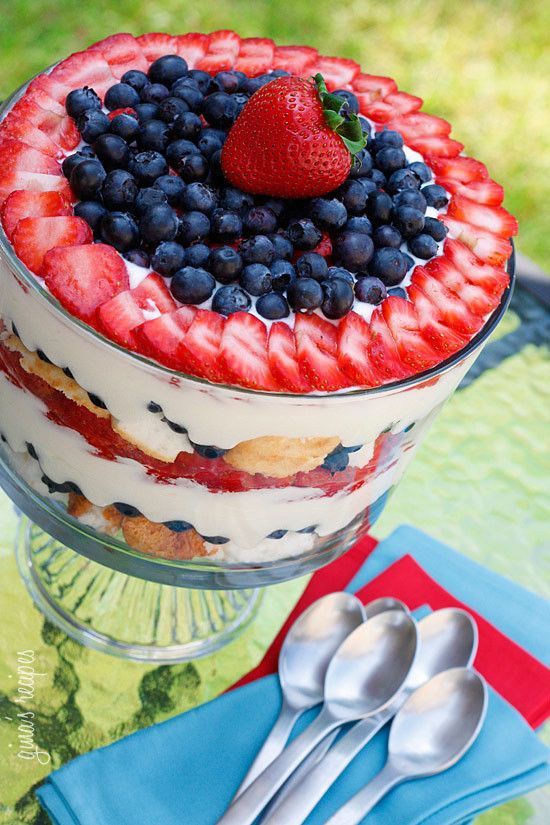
(448, 639)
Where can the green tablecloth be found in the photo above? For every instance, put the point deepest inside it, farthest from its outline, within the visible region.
(478, 483)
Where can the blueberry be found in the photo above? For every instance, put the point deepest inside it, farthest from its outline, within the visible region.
(256, 279)
(136, 79)
(177, 150)
(220, 110)
(126, 509)
(365, 125)
(352, 102)
(193, 168)
(112, 151)
(353, 250)
(337, 460)
(410, 262)
(119, 230)
(81, 100)
(154, 136)
(225, 225)
(277, 206)
(138, 257)
(192, 285)
(171, 108)
(354, 196)
(277, 534)
(359, 223)
(379, 206)
(282, 274)
(119, 190)
(389, 265)
(92, 124)
(386, 235)
(330, 214)
(167, 69)
(200, 197)
(390, 159)
(410, 197)
(87, 178)
(197, 255)
(71, 161)
(338, 298)
(378, 178)
(257, 250)
(370, 290)
(91, 212)
(341, 273)
(368, 184)
(154, 93)
(272, 306)
(175, 427)
(225, 264)
(208, 143)
(423, 246)
(282, 246)
(229, 299)
(148, 197)
(260, 220)
(408, 220)
(194, 226)
(312, 265)
(153, 407)
(121, 96)
(148, 166)
(361, 165)
(435, 195)
(200, 78)
(398, 292)
(422, 172)
(125, 126)
(187, 125)
(435, 228)
(227, 82)
(173, 187)
(304, 234)
(187, 90)
(387, 137)
(305, 294)
(168, 257)
(146, 112)
(158, 223)
(208, 450)
(241, 100)
(402, 179)
(252, 84)
(235, 200)
(178, 526)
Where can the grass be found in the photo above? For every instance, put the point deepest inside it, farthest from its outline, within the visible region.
(483, 64)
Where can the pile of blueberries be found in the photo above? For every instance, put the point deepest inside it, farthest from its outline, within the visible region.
(150, 184)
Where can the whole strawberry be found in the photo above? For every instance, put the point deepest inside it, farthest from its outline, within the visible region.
(292, 140)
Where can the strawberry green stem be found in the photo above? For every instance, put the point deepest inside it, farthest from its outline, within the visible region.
(347, 125)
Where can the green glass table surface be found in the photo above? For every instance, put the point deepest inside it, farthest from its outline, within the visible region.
(477, 483)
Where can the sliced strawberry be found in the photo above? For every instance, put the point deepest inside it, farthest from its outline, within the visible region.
(87, 68)
(337, 71)
(192, 47)
(374, 87)
(52, 87)
(162, 337)
(442, 338)
(419, 124)
(34, 182)
(382, 350)
(283, 362)
(224, 41)
(255, 56)
(61, 130)
(436, 146)
(481, 191)
(324, 247)
(403, 103)
(317, 350)
(157, 44)
(450, 308)
(492, 279)
(21, 204)
(299, 60)
(122, 52)
(44, 100)
(22, 129)
(414, 349)
(475, 297)
(391, 107)
(16, 156)
(84, 277)
(460, 168)
(33, 237)
(494, 219)
(353, 339)
(243, 352)
(127, 310)
(484, 245)
(153, 295)
(201, 348)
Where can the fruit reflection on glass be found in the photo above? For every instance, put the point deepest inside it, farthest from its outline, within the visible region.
(238, 281)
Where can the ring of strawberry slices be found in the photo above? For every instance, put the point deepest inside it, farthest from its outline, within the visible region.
(449, 298)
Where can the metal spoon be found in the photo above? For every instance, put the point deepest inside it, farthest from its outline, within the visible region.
(432, 731)
(303, 661)
(447, 639)
(363, 677)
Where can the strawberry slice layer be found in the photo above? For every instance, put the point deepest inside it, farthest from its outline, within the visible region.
(442, 338)
(21, 204)
(452, 311)
(481, 191)
(485, 246)
(200, 349)
(354, 338)
(157, 44)
(21, 129)
(299, 60)
(122, 314)
(161, 338)
(192, 47)
(317, 350)
(282, 357)
(122, 52)
(492, 279)
(34, 237)
(493, 219)
(383, 352)
(243, 352)
(414, 349)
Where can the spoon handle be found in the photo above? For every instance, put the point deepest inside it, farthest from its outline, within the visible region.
(273, 745)
(356, 808)
(245, 808)
(296, 806)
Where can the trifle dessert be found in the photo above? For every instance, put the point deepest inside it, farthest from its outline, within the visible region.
(238, 281)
